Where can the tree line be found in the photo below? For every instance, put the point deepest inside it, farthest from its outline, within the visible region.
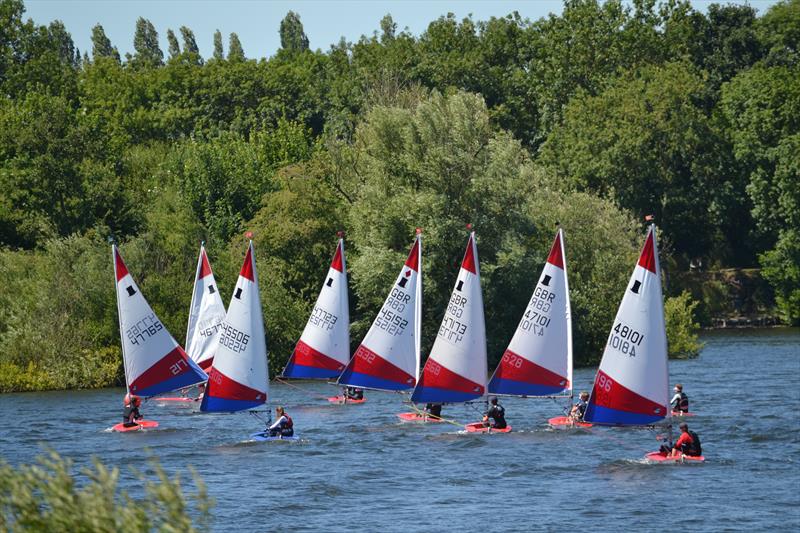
(592, 118)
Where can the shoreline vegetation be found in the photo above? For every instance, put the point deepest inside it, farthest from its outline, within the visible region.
(511, 124)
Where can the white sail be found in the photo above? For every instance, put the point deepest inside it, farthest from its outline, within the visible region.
(206, 314)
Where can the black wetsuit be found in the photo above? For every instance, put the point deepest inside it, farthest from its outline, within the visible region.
(580, 409)
(498, 414)
(129, 416)
(354, 394)
(434, 409)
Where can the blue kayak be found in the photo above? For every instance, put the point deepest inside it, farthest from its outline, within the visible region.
(264, 436)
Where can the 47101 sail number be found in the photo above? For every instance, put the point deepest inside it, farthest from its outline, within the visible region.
(625, 339)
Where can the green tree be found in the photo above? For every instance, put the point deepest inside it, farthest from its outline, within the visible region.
(101, 44)
(219, 53)
(779, 31)
(235, 50)
(293, 38)
(190, 46)
(174, 47)
(388, 28)
(145, 43)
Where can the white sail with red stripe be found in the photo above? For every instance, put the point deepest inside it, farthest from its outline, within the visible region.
(154, 362)
(206, 314)
(631, 387)
(389, 356)
(324, 347)
(456, 367)
(538, 360)
(239, 377)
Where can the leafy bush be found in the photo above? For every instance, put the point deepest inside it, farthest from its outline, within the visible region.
(681, 326)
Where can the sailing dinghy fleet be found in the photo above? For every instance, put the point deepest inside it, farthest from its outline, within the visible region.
(227, 349)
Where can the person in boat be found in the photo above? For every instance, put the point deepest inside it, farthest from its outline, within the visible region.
(680, 402)
(498, 415)
(434, 409)
(688, 443)
(579, 409)
(283, 426)
(201, 391)
(130, 413)
(353, 393)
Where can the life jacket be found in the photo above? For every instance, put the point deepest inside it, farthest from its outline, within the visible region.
(683, 403)
(694, 448)
(289, 424)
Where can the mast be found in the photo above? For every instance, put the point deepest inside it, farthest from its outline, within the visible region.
(568, 314)
(418, 310)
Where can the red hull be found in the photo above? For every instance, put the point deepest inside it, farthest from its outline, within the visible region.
(416, 417)
(341, 399)
(661, 457)
(681, 415)
(567, 422)
(478, 427)
(141, 424)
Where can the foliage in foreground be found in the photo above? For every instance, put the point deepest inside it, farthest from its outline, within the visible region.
(48, 496)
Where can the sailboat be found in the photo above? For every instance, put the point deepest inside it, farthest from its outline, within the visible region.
(631, 386)
(456, 369)
(538, 360)
(154, 362)
(239, 378)
(323, 350)
(206, 315)
(388, 358)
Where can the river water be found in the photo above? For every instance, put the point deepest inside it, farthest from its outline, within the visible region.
(358, 467)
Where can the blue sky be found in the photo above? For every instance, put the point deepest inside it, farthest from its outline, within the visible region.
(257, 21)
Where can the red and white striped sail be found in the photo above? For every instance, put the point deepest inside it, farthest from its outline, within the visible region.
(324, 347)
(456, 368)
(154, 362)
(239, 378)
(538, 360)
(631, 387)
(206, 314)
(389, 356)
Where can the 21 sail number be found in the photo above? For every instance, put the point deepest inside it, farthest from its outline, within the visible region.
(625, 339)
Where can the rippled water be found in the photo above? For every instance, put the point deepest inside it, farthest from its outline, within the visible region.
(358, 467)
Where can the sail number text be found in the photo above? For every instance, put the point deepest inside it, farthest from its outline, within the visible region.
(208, 328)
(390, 318)
(536, 319)
(453, 330)
(625, 339)
(233, 339)
(144, 329)
(322, 319)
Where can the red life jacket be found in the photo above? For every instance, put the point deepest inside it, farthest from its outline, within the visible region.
(289, 423)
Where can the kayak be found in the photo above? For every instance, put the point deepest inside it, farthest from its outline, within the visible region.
(141, 424)
(661, 457)
(567, 422)
(264, 437)
(416, 417)
(478, 427)
(182, 399)
(682, 414)
(342, 399)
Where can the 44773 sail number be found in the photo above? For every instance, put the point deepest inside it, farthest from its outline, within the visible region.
(625, 339)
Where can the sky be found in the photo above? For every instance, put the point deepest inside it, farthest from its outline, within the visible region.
(257, 21)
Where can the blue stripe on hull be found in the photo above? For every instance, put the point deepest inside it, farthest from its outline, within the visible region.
(212, 404)
(293, 370)
(519, 388)
(615, 417)
(358, 379)
(186, 379)
(437, 395)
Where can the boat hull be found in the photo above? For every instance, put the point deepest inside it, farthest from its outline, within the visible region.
(264, 437)
(661, 457)
(478, 427)
(567, 422)
(416, 417)
(342, 400)
(141, 424)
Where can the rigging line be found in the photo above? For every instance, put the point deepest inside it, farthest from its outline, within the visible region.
(313, 394)
(425, 413)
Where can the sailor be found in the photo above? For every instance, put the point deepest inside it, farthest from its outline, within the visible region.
(283, 426)
(201, 391)
(131, 414)
(354, 393)
(434, 409)
(579, 409)
(688, 443)
(680, 402)
(498, 415)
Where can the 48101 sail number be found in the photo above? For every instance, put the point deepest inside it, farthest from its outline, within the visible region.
(625, 339)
